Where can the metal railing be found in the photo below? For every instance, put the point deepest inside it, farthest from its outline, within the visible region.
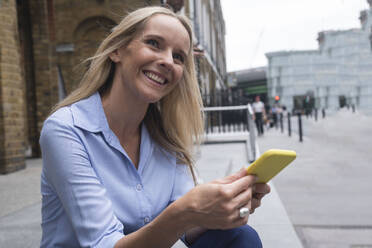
(231, 124)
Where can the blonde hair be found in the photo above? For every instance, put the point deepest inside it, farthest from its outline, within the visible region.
(175, 122)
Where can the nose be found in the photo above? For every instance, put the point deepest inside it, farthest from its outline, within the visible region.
(167, 60)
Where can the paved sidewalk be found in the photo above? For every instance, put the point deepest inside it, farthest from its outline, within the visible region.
(20, 207)
(327, 190)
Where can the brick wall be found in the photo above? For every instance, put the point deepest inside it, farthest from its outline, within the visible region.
(12, 120)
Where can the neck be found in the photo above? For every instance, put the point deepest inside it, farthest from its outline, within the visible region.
(124, 117)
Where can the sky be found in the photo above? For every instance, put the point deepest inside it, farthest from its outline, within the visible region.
(255, 27)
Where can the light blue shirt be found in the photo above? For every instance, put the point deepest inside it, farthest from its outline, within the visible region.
(92, 194)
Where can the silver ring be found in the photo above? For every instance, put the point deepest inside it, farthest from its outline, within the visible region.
(243, 212)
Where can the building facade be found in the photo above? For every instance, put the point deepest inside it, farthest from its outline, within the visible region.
(42, 46)
(209, 29)
(335, 75)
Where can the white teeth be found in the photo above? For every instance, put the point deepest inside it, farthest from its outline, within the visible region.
(154, 77)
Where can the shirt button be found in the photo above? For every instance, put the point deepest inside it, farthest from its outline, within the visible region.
(147, 219)
(139, 187)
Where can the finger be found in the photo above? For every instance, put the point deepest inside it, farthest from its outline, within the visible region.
(243, 198)
(241, 221)
(241, 173)
(261, 188)
(255, 203)
(258, 196)
(242, 184)
(232, 178)
(237, 215)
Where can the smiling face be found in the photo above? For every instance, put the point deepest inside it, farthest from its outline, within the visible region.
(152, 64)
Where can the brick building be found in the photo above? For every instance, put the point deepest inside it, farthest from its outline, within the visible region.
(42, 46)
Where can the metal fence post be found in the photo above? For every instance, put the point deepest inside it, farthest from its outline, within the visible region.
(281, 122)
(299, 126)
(206, 122)
(252, 136)
(289, 124)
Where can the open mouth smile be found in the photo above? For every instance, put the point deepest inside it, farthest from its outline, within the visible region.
(155, 77)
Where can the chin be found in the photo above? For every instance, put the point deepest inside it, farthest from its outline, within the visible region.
(153, 97)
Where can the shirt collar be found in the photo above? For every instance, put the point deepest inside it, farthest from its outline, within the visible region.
(88, 114)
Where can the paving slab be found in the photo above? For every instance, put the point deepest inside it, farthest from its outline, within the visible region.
(21, 228)
(21, 188)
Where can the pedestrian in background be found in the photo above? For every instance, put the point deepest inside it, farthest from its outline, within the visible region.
(259, 115)
(274, 114)
(117, 152)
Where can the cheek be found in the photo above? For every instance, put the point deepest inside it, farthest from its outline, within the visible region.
(179, 74)
(178, 79)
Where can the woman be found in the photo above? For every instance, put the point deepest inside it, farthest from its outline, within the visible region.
(117, 151)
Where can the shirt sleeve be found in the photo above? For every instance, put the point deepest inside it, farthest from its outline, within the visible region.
(183, 182)
(67, 168)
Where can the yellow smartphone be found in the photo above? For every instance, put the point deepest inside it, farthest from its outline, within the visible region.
(270, 163)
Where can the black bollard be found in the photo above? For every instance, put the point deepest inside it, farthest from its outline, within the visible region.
(299, 126)
(316, 114)
(289, 124)
(281, 122)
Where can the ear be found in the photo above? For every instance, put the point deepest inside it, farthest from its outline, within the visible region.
(115, 56)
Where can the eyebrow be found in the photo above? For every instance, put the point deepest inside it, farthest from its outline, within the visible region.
(146, 36)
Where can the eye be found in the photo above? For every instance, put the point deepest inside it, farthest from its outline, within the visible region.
(152, 42)
(179, 57)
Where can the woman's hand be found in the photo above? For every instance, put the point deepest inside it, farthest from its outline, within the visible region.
(216, 205)
(259, 191)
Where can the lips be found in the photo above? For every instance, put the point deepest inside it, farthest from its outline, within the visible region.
(155, 77)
